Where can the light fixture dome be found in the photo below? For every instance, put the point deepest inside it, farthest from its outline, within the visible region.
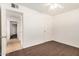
(53, 5)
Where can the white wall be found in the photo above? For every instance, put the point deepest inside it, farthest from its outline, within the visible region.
(37, 28)
(66, 28)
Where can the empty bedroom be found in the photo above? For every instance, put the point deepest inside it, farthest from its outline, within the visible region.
(39, 29)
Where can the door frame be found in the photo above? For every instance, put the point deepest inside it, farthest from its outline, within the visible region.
(20, 26)
(4, 27)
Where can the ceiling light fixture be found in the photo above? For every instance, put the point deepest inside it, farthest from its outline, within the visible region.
(53, 6)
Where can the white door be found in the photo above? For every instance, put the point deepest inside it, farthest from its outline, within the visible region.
(3, 30)
(0, 32)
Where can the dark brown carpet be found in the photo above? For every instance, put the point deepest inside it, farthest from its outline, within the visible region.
(50, 48)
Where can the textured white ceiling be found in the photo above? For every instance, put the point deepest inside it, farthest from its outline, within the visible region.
(44, 9)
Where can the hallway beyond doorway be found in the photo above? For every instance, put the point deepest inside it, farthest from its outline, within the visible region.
(13, 45)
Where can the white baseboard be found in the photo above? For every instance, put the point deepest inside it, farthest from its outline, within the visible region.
(70, 44)
(35, 44)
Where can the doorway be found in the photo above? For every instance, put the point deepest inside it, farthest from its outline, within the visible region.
(14, 31)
